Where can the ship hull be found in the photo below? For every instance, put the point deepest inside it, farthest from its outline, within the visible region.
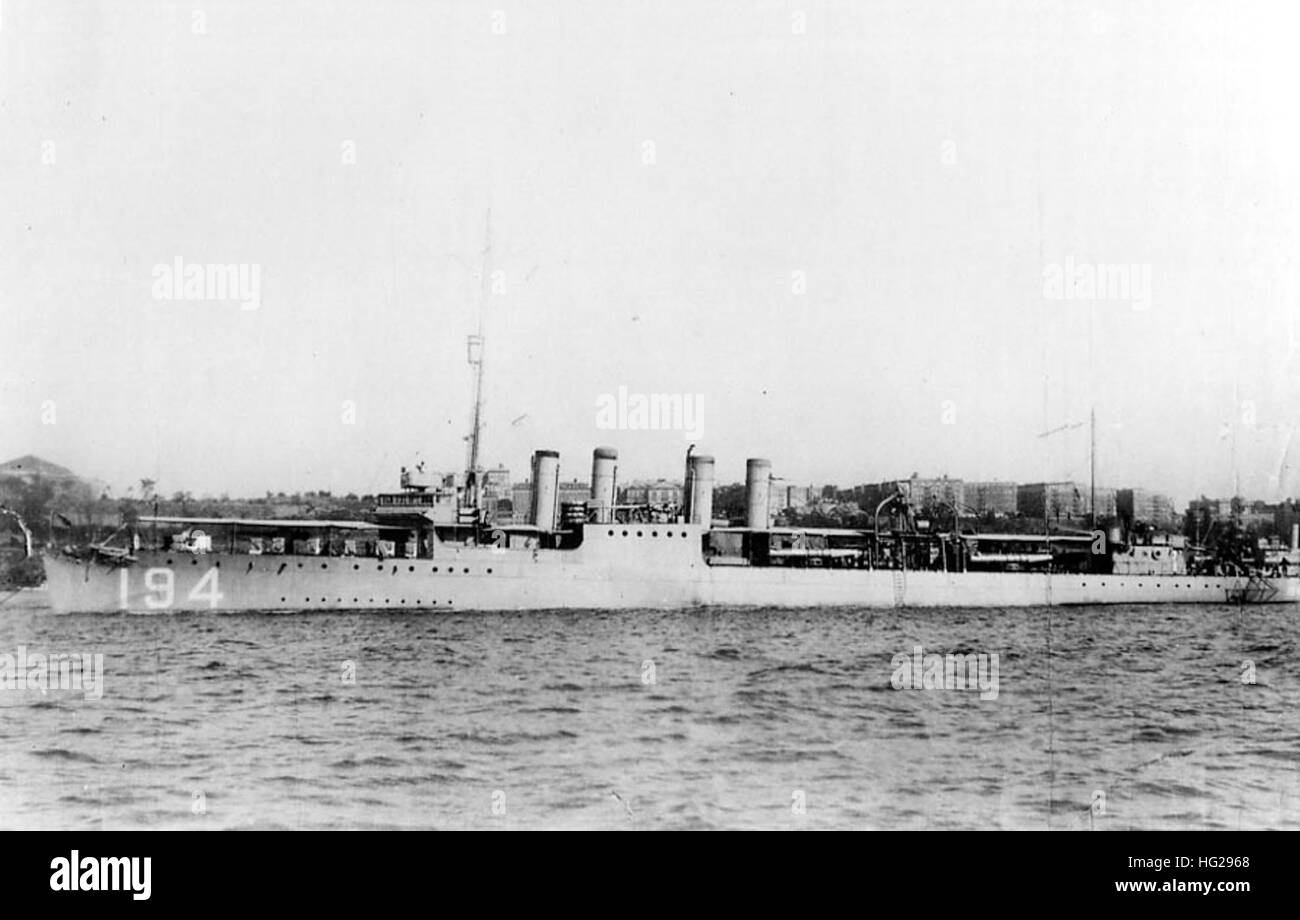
(658, 567)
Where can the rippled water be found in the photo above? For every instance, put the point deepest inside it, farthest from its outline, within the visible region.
(721, 719)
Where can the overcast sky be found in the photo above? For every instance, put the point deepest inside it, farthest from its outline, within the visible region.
(833, 224)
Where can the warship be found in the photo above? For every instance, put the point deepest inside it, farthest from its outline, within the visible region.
(432, 546)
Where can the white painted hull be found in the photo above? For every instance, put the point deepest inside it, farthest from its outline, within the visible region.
(662, 568)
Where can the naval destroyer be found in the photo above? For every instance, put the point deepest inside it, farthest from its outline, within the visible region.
(432, 546)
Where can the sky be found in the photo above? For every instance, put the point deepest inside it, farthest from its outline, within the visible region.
(840, 230)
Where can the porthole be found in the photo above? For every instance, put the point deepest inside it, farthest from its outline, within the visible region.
(355, 567)
(324, 565)
(467, 571)
(410, 568)
(624, 534)
(379, 568)
(654, 533)
(435, 568)
(169, 562)
(611, 533)
(489, 571)
(638, 533)
(194, 562)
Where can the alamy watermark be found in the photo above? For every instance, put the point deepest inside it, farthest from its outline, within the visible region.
(954, 671)
(53, 671)
(102, 873)
(1099, 281)
(181, 280)
(624, 411)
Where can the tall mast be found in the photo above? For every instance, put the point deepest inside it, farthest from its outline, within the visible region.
(1092, 464)
(476, 361)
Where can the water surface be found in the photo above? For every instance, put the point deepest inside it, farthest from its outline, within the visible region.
(1136, 718)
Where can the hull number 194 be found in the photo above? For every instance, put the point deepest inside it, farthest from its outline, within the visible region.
(160, 589)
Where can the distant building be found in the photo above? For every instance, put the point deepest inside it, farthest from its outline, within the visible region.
(517, 504)
(521, 501)
(927, 493)
(1107, 502)
(862, 495)
(29, 469)
(1216, 509)
(498, 500)
(496, 483)
(659, 492)
(1055, 501)
(665, 493)
(872, 494)
(499, 510)
(1285, 516)
(1145, 506)
(921, 492)
(574, 492)
(1064, 501)
(794, 498)
(798, 497)
(1260, 517)
(994, 497)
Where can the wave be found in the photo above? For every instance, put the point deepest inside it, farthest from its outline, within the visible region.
(65, 755)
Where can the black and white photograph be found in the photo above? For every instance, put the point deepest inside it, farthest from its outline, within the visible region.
(570, 415)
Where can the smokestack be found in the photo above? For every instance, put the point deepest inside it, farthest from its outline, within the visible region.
(758, 485)
(1295, 538)
(604, 472)
(698, 494)
(546, 488)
